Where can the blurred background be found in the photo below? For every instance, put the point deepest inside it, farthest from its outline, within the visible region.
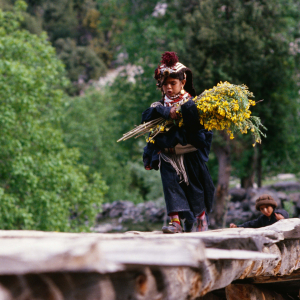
(77, 74)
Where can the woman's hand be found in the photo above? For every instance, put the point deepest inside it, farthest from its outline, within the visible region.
(148, 168)
(279, 216)
(173, 113)
(232, 225)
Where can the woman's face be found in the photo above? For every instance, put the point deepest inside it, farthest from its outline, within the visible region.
(172, 86)
(266, 210)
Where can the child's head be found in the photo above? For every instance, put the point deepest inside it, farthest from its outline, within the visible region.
(172, 86)
(170, 67)
(265, 204)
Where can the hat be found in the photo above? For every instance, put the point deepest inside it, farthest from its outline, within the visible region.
(170, 65)
(265, 199)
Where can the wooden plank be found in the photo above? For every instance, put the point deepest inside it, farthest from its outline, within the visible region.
(216, 254)
(250, 292)
(50, 254)
(152, 264)
(293, 277)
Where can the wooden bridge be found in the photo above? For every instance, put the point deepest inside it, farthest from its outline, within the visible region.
(220, 264)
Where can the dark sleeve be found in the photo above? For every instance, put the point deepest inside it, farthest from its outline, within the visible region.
(171, 138)
(190, 116)
(151, 156)
(257, 223)
(155, 112)
(282, 212)
(147, 155)
(202, 139)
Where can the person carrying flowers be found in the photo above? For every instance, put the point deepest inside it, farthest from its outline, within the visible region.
(180, 152)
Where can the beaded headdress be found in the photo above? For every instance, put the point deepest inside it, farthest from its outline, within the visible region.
(170, 65)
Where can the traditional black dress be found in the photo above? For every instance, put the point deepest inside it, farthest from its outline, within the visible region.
(190, 198)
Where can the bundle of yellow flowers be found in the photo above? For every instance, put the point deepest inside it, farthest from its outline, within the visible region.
(224, 107)
(227, 106)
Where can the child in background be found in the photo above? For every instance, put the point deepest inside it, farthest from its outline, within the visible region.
(270, 215)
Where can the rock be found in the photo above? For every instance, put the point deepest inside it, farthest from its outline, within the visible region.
(105, 211)
(237, 194)
(250, 193)
(103, 228)
(246, 215)
(286, 186)
(159, 216)
(118, 207)
(237, 205)
(282, 196)
(118, 228)
(245, 205)
(286, 176)
(294, 197)
(126, 212)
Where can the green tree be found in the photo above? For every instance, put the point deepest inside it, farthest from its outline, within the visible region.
(73, 29)
(41, 185)
(80, 62)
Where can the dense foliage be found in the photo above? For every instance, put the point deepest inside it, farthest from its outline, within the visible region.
(74, 29)
(41, 185)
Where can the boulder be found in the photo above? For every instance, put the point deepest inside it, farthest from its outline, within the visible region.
(237, 194)
(118, 207)
(295, 197)
(126, 211)
(285, 186)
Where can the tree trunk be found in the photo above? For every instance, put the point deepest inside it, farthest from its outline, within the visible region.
(221, 149)
(248, 180)
(259, 166)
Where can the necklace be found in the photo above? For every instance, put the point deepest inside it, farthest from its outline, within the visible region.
(174, 97)
(177, 99)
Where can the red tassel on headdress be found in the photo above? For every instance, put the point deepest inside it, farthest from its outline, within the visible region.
(169, 59)
(157, 73)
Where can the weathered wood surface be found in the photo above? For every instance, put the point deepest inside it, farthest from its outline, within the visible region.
(139, 265)
(250, 292)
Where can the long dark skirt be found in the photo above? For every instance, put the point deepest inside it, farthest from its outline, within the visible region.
(188, 200)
